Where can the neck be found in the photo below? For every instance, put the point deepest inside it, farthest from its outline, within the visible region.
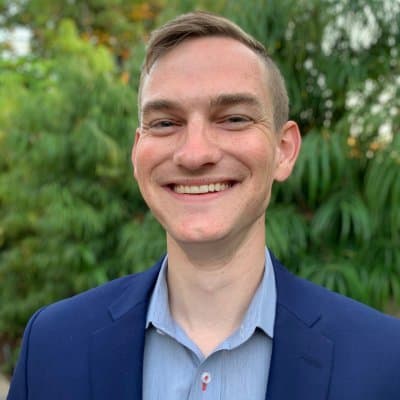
(211, 284)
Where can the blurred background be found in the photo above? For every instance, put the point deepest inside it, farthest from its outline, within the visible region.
(71, 216)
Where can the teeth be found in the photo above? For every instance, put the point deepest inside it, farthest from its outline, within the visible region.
(194, 189)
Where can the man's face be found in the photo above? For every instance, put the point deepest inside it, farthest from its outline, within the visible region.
(206, 152)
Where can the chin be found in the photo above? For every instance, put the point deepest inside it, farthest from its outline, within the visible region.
(198, 236)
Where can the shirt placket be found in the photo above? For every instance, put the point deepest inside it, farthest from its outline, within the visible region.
(206, 384)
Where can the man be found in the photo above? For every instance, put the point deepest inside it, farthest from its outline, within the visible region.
(219, 317)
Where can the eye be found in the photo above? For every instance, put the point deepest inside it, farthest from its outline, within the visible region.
(235, 122)
(161, 126)
(237, 119)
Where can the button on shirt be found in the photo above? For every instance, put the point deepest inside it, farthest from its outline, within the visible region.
(174, 367)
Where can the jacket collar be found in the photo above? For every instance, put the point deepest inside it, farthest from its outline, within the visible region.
(116, 352)
(302, 356)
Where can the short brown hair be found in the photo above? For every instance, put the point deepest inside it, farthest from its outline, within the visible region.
(202, 24)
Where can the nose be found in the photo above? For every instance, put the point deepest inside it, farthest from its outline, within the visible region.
(198, 147)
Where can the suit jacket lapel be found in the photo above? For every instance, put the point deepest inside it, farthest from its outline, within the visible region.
(116, 352)
(302, 356)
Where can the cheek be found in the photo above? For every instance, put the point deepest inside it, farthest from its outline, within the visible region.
(260, 160)
(148, 154)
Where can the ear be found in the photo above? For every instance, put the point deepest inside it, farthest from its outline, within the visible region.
(289, 144)
(134, 148)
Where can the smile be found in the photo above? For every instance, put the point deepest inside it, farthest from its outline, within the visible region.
(201, 189)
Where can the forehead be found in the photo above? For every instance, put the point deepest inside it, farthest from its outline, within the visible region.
(206, 68)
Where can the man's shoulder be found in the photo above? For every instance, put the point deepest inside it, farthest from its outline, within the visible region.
(358, 336)
(92, 307)
(338, 335)
(335, 313)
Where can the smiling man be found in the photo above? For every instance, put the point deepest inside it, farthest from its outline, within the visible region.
(218, 317)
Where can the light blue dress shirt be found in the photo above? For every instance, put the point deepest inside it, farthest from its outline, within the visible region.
(175, 369)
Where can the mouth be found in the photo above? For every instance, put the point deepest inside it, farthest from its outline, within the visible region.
(201, 189)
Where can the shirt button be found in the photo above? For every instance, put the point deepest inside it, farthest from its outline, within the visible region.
(206, 377)
(205, 380)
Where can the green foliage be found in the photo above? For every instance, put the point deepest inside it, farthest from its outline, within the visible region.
(139, 242)
(286, 232)
(66, 190)
(321, 167)
(117, 24)
(339, 276)
(71, 216)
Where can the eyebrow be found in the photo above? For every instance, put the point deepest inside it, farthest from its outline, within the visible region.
(159, 105)
(222, 100)
(226, 100)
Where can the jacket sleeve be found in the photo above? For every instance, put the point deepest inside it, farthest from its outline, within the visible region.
(19, 387)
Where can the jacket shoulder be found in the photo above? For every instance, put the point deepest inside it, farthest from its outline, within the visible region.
(311, 302)
(92, 307)
(364, 342)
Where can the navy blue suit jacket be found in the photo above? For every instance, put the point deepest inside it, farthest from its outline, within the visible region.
(326, 346)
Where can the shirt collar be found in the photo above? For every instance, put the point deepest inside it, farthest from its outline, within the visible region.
(260, 314)
(159, 313)
(261, 311)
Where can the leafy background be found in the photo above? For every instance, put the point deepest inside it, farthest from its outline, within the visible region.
(71, 216)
